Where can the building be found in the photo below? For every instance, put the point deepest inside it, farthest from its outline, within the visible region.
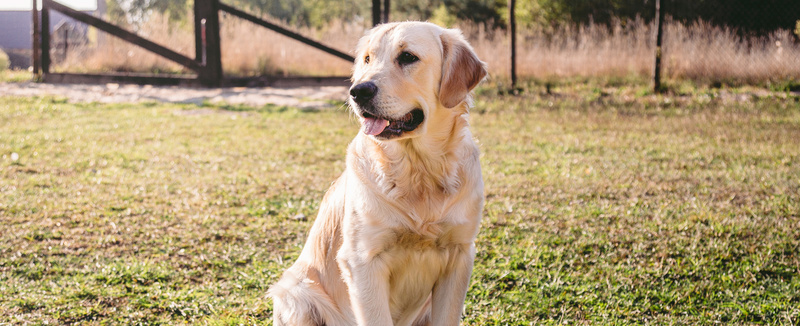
(16, 21)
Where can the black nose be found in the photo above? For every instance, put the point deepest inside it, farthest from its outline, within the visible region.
(363, 92)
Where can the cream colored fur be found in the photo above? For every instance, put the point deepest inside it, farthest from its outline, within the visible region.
(393, 243)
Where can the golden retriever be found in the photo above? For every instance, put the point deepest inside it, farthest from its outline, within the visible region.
(394, 241)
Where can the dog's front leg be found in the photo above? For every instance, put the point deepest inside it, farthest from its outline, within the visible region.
(451, 289)
(367, 280)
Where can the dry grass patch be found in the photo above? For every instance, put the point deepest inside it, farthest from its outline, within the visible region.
(699, 51)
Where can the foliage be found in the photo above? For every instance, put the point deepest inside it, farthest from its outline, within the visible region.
(321, 12)
(135, 13)
(15, 76)
(747, 16)
(442, 17)
(797, 29)
(751, 17)
(557, 12)
(315, 13)
(477, 11)
(318, 13)
(4, 61)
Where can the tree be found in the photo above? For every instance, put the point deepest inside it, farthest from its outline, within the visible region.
(747, 16)
(134, 13)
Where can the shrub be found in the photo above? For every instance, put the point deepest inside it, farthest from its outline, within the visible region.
(797, 29)
(4, 63)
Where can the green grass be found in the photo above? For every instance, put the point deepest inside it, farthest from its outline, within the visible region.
(15, 76)
(606, 205)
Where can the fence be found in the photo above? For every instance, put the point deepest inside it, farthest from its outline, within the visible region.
(697, 40)
(701, 44)
(709, 41)
(206, 63)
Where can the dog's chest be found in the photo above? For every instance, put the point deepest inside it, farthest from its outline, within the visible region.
(416, 263)
(432, 219)
(431, 223)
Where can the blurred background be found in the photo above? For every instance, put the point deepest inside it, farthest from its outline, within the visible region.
(716, 41)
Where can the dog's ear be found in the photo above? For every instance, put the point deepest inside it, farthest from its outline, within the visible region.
(461, 69)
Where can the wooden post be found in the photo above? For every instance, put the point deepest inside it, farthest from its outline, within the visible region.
(207, 42)
(376, 12)
(659, 32)
(512, 21)
(36, 43)
(387, 5)
(45, 40)
(66, 41)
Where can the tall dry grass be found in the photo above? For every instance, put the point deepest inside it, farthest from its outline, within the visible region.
(248, 49)
(698, 51)
(106, 53)
(702, 51)
(592, 50)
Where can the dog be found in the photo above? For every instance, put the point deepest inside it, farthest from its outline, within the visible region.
(394, 240)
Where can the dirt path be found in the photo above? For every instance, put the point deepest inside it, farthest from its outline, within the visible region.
(302, 97)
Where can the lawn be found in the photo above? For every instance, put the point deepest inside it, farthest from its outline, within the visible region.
(605, 205)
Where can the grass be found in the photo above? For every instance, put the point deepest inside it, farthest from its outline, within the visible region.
(606, 205)
(697, 51)
(15, 76)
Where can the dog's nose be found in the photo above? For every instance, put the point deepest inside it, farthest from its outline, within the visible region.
(363, 92)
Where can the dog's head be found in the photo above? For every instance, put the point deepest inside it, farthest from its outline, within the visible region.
(405, 72)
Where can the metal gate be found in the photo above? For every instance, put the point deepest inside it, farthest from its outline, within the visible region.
(206, 64)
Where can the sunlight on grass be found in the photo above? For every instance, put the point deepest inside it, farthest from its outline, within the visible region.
(15, 76)
(605, 205)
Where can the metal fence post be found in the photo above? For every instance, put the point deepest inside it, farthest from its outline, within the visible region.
(512, 21)
(659, 32)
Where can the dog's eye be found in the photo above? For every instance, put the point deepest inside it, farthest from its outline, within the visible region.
(366, 59)
(406, 58)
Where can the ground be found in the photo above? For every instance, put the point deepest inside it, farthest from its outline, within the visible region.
(299, 97)
(605, 205)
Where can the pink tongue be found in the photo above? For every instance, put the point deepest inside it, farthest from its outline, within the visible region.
(374, 126)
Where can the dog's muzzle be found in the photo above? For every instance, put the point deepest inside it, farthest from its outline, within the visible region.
(375, 123)
(363, 93)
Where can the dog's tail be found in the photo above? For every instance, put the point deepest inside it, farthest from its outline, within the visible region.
(300, 301)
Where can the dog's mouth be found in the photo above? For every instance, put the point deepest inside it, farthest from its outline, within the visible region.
(386, 128)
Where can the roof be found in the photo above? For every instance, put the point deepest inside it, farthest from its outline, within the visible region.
(26, 5)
